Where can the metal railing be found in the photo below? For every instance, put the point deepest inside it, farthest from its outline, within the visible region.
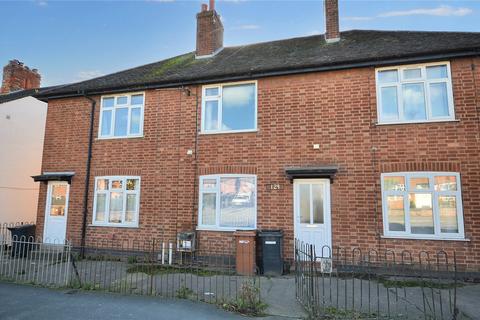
(375, 284)
(5, 234)
(153, 267)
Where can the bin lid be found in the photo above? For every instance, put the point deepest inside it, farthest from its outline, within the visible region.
(270, 233)
(21, 226)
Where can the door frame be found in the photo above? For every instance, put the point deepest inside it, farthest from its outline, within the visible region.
(327, 214)
(48, 201)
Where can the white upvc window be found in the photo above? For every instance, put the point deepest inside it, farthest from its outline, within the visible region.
(116, 202)
(422, 205)
(228, 202)
(229, 107)
(121, 116)
(415, 93)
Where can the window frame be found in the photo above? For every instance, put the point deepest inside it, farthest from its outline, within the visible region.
(123, 224)
(218, 98)
(113, 108)
(426, 88)
(217, 191)
(438, 235)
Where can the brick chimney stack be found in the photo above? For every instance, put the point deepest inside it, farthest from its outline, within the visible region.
(209, 31)
(17, 76)
(332, 27)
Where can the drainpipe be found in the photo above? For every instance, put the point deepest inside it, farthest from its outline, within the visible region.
(87, 175)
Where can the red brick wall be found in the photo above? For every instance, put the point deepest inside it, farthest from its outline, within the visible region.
(17, 76)
(209, 32)
(334, 109)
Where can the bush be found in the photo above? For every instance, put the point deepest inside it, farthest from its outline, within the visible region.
(248, 302)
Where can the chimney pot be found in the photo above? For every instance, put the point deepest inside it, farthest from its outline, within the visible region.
(204, 7)
(212, 5)
(332, 28)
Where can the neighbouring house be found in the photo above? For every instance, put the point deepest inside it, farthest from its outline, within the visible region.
(22, 127)
(355, 138)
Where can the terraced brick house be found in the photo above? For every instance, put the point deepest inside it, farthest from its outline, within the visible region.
(354, 138)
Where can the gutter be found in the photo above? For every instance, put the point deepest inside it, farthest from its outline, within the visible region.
(278, 72)
(87, 174)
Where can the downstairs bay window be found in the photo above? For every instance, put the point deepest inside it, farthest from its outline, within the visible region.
(422, 205)
(228, 202)
(116, 201)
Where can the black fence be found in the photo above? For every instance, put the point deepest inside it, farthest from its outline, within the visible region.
(372, 284)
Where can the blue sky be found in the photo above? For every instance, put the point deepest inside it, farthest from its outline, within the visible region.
(72, 41)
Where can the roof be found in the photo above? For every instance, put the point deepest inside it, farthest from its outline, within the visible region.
(15, 95)
(297, 55)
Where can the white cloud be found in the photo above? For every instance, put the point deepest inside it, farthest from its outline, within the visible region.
(313, 32)
(248, 27)
(88, 74)
(357, 18)
(41, 3)
(443, 11)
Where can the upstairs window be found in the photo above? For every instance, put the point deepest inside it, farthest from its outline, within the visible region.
(229, 108)
(122, 116)
(415, 93)
(422, 205)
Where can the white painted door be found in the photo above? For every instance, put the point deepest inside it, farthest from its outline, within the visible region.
(56, 212)
(312, 214)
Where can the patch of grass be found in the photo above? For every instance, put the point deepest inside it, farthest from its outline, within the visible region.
(132, 260)
(334, 313)
(75, 284)
(184, 293)
(412, 283)
(166, 269)
(248, 302)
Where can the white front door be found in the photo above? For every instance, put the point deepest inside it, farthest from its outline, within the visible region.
(312, 214)
(56, 212)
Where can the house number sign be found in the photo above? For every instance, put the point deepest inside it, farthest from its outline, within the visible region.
(275, 186)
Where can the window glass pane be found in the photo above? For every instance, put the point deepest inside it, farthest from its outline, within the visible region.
(209, 203)
(396, 213)
(137, 99)
(238, 107)
(135, 120)
(420, 183)
(304, 190)
(437, 72)
(121, 100)
(108, 102)
(106, 122)
(445, 183)
(209, 183)
(394, 183)
(389, 103)
(132, 184)
(131, 208)
(121, 120)
(421, 214)
(448, 214)
(412, 73)
(117, 184)
(100, 207)
(387, 76)
(102, 184)
(439, 99)
(237, 202)
(58, 200)
(211, 115)
(211, 91)
(317, 195)
(116, 207)
(414, 101)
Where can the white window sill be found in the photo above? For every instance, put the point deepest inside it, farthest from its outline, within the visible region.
(227, 131)
(424, 238)
(123, 137)
(132, 226)
(224, 229)
(416, 122)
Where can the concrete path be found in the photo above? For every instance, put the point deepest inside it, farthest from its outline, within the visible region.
(26, 302)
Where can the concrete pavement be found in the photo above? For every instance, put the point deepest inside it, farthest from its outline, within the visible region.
(27, 302)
